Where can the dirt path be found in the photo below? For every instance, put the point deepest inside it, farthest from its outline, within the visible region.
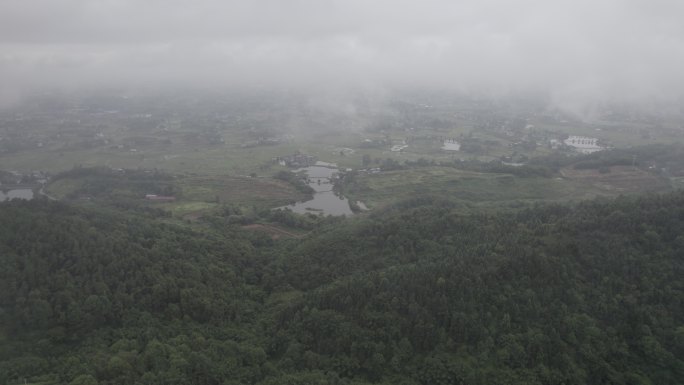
(43, 193)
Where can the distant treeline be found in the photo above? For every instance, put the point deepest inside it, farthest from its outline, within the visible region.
(295, 180)
(118, 184)
(657, 158)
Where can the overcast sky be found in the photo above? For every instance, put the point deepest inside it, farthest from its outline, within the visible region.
(597, 48)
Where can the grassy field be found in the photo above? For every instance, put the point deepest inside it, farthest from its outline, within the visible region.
(618, 180)
(229, 158)
(483, 189)
(195, 194)
(62, 188)
(677, 182)
(200, 194)
(210, 160)
(207, 160)
(212, 173)
(238, 190)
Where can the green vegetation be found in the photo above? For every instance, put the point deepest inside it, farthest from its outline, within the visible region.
(114, 184)
(494, 190)
(415, 293)
(467, 270)
(193, 194)
(558, 178)
(295, 181)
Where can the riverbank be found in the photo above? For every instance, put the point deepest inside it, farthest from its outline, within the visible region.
(325, 200)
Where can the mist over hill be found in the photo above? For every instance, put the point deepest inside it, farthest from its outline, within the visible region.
(314, 192)
(573, 52)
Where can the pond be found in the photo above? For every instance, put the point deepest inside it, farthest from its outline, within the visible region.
(21, 193)
(325, 200)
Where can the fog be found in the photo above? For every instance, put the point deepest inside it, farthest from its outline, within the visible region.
(572, 51)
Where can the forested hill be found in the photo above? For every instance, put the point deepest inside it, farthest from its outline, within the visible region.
(415, 294)
(120, 299)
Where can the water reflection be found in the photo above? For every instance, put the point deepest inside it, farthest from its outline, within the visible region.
(325, 200)
(22, 193)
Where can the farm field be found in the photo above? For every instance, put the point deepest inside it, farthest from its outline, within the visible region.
(224, 152)
(493, 189)
(193, 194)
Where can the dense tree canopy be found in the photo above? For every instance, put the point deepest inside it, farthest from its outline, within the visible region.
(417, 293)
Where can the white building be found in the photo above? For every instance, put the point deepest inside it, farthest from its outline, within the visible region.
(583, 144)
(451, 145)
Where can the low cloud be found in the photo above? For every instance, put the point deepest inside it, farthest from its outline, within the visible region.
(570, 50)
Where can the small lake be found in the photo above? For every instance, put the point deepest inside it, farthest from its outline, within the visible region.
(325, 200)
(21, 193)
